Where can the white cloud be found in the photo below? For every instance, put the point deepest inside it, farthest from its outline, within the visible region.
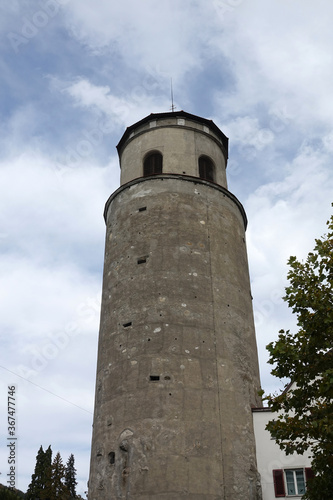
(114, 112)
(279, 54)
(50, 294)
(285, 218)
(328, 142)
(147, 36)
(44, 203)
(246, 131)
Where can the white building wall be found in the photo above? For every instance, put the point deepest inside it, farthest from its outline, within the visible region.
(270, 456)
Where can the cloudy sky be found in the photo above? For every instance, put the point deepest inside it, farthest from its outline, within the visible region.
(73, 75)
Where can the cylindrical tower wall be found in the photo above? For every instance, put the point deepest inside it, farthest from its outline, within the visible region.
(180, 141)
(177, 368)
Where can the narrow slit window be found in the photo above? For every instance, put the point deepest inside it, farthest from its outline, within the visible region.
(142, 209)
(126, 325)
(153, 164)
(142, 260)
(206, 169)
(112, 457)
(154, 378)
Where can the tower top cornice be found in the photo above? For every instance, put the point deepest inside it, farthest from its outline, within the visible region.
(174, 114)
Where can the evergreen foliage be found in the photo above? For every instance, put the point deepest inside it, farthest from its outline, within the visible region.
(70, 477)
(305, 421)
(59, 489)
(47, 490)
(10, 494)
(51, 479)
(40, 486)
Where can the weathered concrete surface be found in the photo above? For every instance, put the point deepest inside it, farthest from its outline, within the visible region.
(177, 362)
(180, 145)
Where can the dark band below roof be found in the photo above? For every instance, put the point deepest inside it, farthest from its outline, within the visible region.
(175, 114)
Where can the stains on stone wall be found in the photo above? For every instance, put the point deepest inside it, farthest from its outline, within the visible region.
(177, 362)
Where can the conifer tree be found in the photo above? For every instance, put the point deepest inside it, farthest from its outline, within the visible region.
(59, 489)
(36, 483)
(51, 479)
(38, 488)
(70, 477)
(46, 493)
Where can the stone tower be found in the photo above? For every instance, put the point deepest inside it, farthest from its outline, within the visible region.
(177, 370)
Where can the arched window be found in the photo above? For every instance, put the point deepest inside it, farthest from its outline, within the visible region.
(153, 164)
(206, 169)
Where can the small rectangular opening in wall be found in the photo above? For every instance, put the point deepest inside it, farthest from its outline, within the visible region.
(142, 209)
(112, 457)
(125, 325)
(142, 260)
(154, 378)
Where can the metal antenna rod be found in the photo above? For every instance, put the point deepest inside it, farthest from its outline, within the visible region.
(173, 107)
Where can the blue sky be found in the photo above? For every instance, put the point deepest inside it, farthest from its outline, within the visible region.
(74, 75)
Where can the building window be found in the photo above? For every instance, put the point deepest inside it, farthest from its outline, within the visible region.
(152, 164)
(291, 482)
(206, 169)
(295, 482)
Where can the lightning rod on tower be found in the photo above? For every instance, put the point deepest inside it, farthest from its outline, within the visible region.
(173, 107)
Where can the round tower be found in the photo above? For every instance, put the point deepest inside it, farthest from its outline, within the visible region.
(177, 370)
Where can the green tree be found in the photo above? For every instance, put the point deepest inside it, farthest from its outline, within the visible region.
(47, 489)
(39, 487)
(70, 477)
(306, 357)
(59, 489)
(10, 494)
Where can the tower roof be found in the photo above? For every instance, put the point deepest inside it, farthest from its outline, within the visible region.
(176, 114)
